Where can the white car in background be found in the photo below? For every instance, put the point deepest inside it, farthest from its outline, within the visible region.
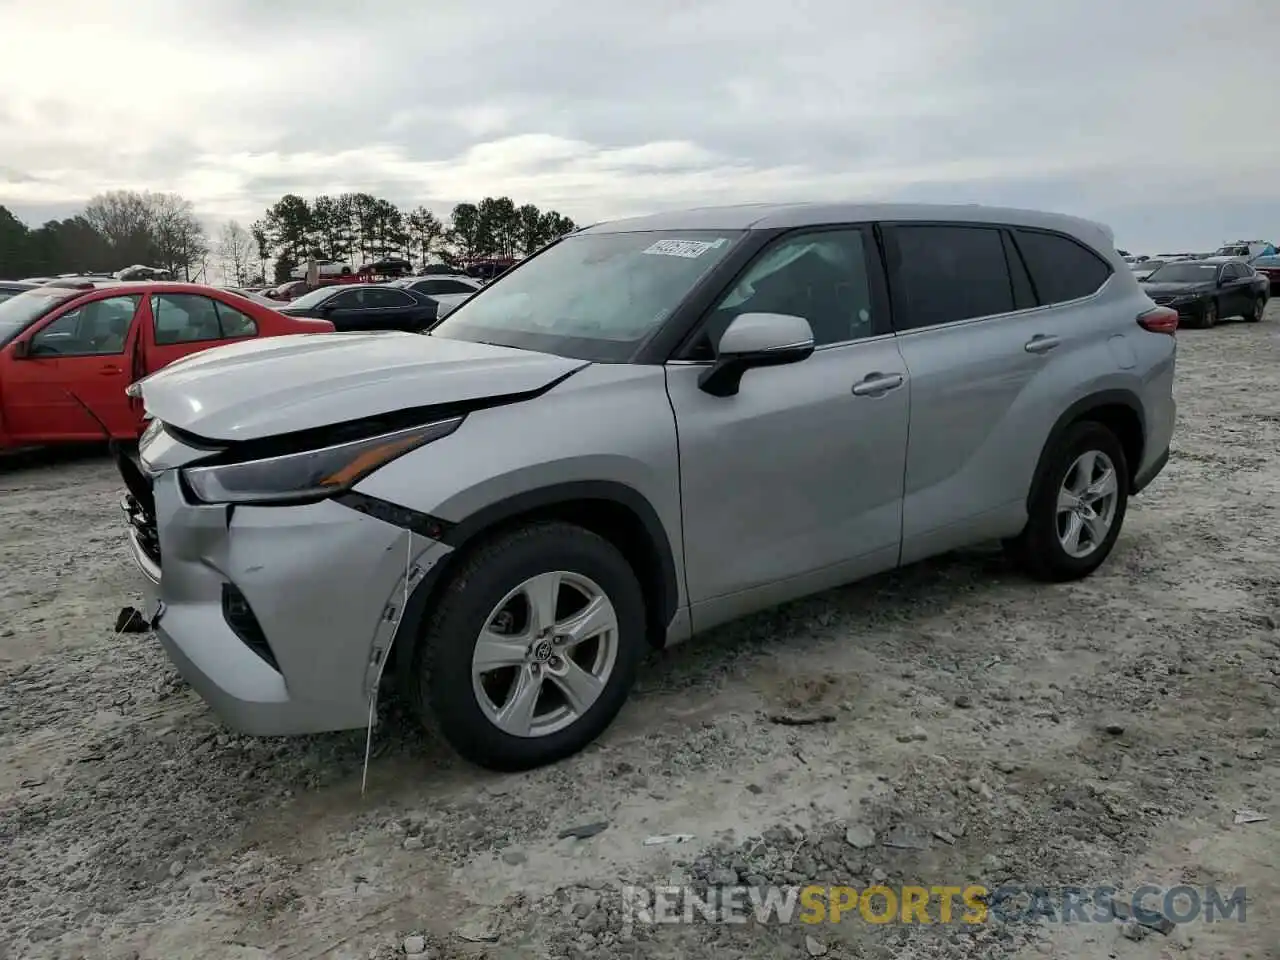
(328, 268)
(450, 291)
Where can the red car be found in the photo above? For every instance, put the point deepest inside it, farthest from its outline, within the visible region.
(68, 352)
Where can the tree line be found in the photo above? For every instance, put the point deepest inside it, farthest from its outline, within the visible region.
(116, 229)
(358, 228)
(124, 227)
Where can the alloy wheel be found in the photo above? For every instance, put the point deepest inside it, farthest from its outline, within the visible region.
(545, 654)
(1087, 503)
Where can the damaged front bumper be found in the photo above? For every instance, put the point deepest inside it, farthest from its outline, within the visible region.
(279, 616)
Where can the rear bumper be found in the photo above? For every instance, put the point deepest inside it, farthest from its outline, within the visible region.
(321, 583)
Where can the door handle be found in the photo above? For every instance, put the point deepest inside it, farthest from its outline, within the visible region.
(876, 384)
(1041, 343)
(109, 371)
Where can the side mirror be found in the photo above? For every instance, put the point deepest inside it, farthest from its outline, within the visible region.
(22, 349)
(756, 340)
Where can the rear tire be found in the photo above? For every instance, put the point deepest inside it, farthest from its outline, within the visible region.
(1259, 306)
(1041, 548)
(476, 706)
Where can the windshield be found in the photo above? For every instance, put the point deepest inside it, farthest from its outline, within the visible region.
(1148, 265)
(1184, 273)
(593, 296)
(19, 312)
(1232, 251)
(309, 300)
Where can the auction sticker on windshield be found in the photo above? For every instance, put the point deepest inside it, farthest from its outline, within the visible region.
(689, 249)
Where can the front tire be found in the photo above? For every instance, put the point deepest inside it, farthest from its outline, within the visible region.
(1209, 319)
(1259, 307)
(532, 647)
(1079, 506)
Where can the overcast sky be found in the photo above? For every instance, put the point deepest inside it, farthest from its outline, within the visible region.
(1156, 116)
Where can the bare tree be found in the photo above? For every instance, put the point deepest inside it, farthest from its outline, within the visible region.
(180, 242)
(124, 218)
(236, 253)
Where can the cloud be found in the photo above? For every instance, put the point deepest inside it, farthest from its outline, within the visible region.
(600, 110)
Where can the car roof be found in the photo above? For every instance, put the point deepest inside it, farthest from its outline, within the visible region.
(771, 216)
(1220, 260)
(85, 285)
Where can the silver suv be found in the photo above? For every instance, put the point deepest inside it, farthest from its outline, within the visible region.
(649, 428)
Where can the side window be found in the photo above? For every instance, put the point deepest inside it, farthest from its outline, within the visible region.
(183, 318)
(819, 276)
(1024, 295)
(234, 323)
(450, 286)
(383, 298)
(99, 327)
(346, 300)
(1061, 268)
(946, 274)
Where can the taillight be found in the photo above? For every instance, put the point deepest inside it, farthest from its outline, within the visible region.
(1159, 320)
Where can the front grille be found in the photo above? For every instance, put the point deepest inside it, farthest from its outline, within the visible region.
(139, 504)
(143, 523)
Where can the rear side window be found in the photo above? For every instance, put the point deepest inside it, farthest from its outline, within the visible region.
(945, 274)
(382, 298)
(234, 323)
(1061, 268)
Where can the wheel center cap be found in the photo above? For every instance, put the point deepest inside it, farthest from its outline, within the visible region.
(541, 651)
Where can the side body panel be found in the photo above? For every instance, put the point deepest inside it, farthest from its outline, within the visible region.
(606, 424)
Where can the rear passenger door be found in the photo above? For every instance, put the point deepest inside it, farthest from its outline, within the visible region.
(392, 309)
(183, 323)
(989, 321)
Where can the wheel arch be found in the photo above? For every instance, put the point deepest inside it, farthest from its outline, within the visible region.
(1120, 411)
(613, 510)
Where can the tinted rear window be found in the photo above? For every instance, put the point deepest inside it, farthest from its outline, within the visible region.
(946, 274)
(1061, 268)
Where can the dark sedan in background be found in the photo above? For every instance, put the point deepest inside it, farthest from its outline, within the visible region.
(1205, 291)
(366, 306)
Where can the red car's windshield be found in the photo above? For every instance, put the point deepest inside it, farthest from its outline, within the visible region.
(19, 312)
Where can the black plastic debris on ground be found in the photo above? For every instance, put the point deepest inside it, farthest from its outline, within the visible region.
(129, 620)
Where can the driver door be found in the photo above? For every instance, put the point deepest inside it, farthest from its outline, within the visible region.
(795, 484)
(1237, 291)
(77, 359)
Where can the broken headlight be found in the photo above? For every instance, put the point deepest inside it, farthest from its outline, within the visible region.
(309, 474)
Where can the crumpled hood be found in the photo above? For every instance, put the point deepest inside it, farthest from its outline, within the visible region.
(261, 388)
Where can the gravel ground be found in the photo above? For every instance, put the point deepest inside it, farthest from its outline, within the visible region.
(1104, 732)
